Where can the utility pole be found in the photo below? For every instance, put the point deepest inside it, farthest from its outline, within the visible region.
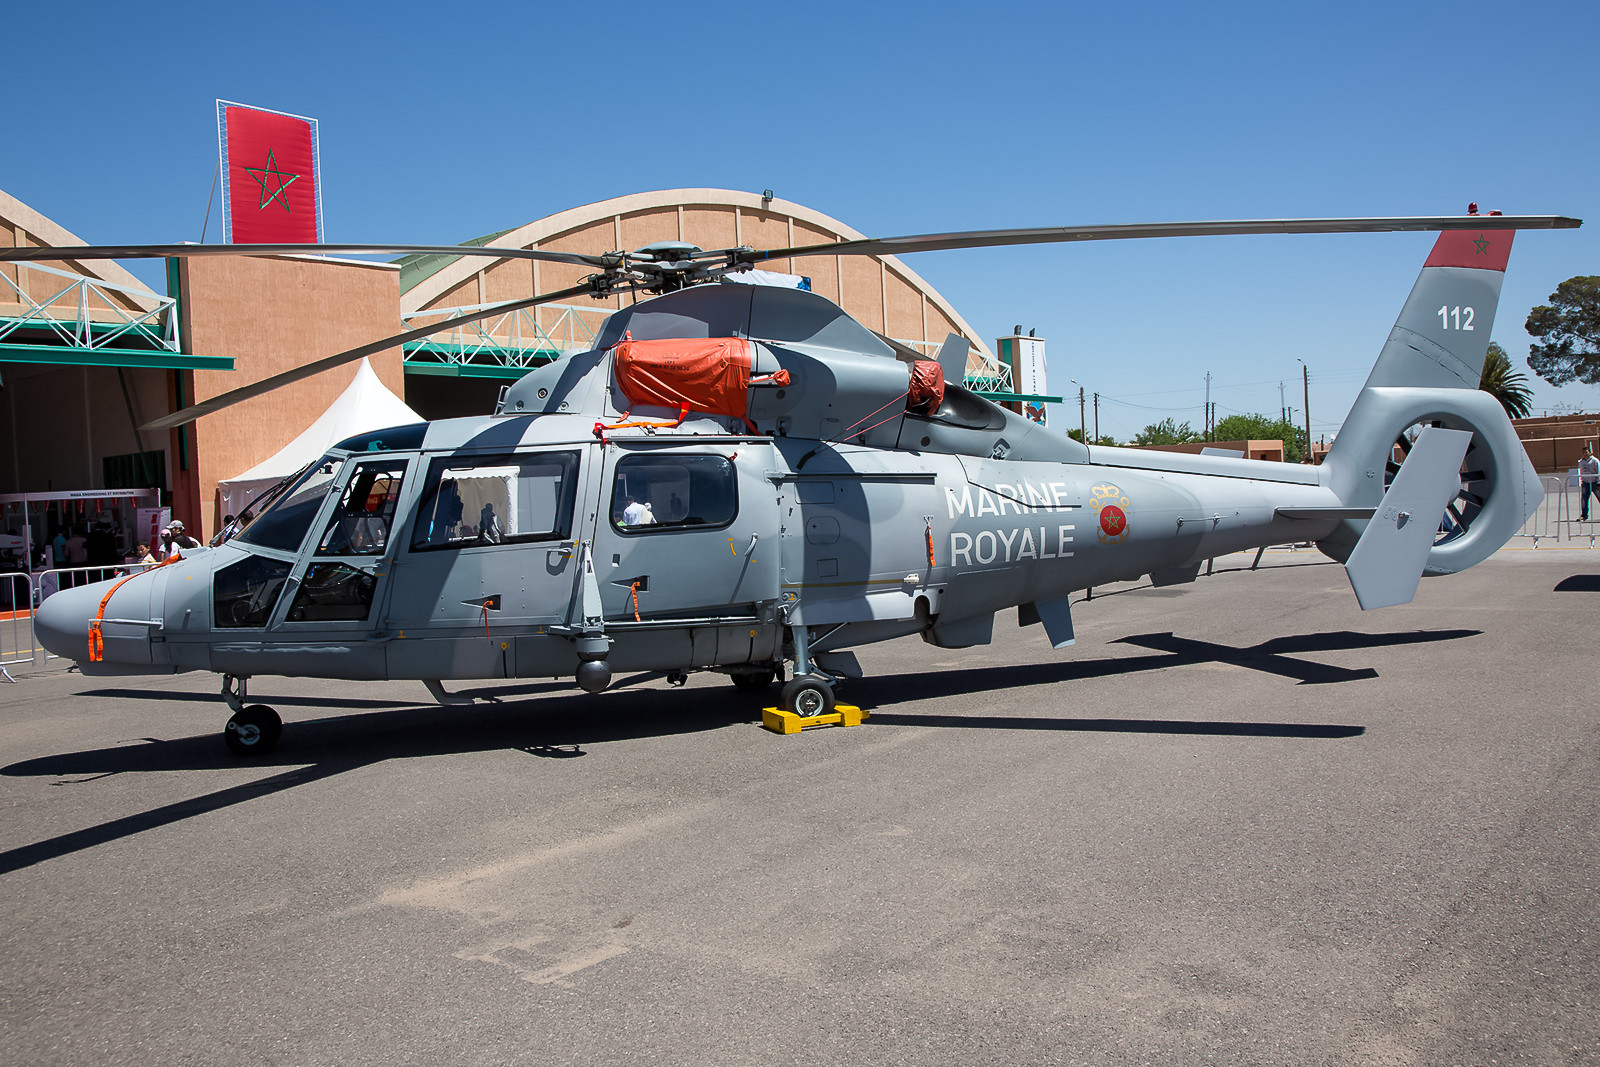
(1083, 430)
(1305, 377)
(1097, 418)
(1208, 405)
(1283, 407)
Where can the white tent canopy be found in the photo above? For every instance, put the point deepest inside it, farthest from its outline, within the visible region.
(364, 406)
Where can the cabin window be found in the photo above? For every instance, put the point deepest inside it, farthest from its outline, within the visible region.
(491, 500)
(332, 592)
(244, 593)
(283, 525)
(673, 492)
(361, 523)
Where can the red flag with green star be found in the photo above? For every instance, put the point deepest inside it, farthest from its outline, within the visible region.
(271, 192)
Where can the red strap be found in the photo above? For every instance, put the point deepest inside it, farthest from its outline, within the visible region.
(97, 644)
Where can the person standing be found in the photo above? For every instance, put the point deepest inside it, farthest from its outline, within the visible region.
(77, 556)
(180, 540)
(1588, 481)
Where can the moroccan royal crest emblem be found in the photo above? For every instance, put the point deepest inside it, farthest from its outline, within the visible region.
(1111, 509)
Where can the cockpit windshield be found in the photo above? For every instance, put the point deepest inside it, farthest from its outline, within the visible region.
(284, 524)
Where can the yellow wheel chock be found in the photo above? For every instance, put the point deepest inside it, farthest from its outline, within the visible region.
(787, 722)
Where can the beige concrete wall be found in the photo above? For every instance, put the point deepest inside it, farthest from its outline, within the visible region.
(1557, 426)
(272, 315)
(23, 227)
(1557, 455)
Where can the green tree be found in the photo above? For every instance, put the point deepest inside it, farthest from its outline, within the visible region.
(1255, 427)
(1569, 326)
(1508, 386)
(1166, 432)
(1103, 439)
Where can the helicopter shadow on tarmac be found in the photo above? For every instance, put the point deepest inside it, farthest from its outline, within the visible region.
(1273, 656)
(562, 725)
(322, 748)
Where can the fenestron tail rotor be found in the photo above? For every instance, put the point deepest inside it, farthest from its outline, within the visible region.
(670, 266)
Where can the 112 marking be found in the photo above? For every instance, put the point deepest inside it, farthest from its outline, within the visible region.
(1451, 317)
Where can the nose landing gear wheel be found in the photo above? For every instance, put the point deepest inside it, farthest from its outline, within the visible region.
(253, 731)
(808, 696)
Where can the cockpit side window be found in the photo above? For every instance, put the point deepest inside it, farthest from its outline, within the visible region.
(243, 593)
(365, 516)
(490, 500)
(283, 525)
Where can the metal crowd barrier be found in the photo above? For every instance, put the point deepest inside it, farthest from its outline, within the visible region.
(21, 593)
(17, 645)
(1546, 521)
(1557, 518)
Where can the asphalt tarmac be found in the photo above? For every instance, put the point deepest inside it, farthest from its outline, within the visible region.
(1240, 822)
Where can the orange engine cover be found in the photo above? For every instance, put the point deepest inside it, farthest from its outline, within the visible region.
(710, 375)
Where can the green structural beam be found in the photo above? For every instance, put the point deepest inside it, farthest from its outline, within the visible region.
(462, 370)
(70, 356)
(1018, 398)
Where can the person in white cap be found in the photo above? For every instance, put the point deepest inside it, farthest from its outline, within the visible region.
(176, 540)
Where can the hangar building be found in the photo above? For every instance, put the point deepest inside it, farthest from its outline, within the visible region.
(88, 353)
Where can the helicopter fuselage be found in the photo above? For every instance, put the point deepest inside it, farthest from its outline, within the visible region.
(466, 549)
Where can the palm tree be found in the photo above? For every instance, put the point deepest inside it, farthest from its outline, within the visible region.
(1508, 386)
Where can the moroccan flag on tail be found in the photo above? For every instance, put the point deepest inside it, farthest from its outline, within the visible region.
(271, 178)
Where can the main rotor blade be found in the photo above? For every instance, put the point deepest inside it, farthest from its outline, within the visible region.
(288, 377)
(930, 242)
(178, 251)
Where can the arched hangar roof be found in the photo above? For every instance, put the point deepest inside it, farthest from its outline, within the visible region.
(882, 293)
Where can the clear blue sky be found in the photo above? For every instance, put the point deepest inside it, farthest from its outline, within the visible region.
(444, 122)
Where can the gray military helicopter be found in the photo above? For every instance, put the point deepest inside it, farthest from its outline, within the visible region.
(741, 478)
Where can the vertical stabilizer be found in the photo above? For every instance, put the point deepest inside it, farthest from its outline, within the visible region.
(1427, 376)
(1443, 331)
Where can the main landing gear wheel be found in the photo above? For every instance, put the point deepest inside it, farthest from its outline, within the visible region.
(753, 681)
(808, 696)
(253, 731)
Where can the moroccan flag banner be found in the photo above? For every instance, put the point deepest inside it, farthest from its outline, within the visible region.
(271, 177)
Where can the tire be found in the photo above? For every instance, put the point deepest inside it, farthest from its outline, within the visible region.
(253, 731)
(808, 696)
(753, 681)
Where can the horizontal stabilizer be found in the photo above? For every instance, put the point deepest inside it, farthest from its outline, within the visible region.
(1387, 562)
(1056, 616)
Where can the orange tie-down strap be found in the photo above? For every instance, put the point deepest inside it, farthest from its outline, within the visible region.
(97, 643)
